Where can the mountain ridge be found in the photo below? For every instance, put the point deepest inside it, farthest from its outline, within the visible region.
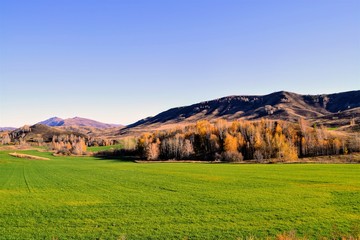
(3, 129)
(76, 121)
(281, 105)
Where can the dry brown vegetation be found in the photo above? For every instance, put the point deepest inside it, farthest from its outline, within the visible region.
(27, 156)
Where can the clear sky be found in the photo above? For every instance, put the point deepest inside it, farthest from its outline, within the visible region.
(119, 61)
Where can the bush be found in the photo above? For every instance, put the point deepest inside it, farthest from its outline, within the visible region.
(64, 151)
(258, 156)
(232, 156)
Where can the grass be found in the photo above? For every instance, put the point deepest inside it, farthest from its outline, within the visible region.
(104, 148)
(89, 198)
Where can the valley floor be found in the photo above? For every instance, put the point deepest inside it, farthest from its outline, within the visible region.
(92, 198)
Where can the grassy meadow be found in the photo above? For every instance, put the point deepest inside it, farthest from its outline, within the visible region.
(90, 198)
(104, 148)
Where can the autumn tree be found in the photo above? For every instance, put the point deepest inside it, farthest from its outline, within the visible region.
(153, 150)
(230, 143)
(231, 152)
(78, 146)
(176, 147)
(143, 143)
(5, 139)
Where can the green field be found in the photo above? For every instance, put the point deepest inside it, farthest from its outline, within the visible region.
(104, 148)
(84, 197)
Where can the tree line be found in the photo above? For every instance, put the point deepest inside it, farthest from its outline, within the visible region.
(68, 144)
(245, 140)
(64, 143)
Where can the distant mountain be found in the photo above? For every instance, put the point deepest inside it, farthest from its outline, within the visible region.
(2, 129)
(53, 122)
(76, 122)
(279, 105)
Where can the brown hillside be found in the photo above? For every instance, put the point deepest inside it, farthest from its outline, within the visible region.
(279, 105)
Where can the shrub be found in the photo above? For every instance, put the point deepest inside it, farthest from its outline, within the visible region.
(232, 156)
(258, 156)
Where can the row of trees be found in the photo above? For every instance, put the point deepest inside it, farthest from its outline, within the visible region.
(65, 144)
(6, 139)
(62, 144)
(68, 144)
(245, 140)
(92, 141)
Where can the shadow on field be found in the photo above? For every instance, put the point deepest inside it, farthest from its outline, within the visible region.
(120, 155)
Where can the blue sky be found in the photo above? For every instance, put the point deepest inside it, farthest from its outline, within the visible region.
(118, 61)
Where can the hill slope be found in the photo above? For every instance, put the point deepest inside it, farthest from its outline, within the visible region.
(279, 105)
(40, 133)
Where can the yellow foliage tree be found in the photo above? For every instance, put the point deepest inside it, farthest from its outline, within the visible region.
(203, 127)
(230, 143)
